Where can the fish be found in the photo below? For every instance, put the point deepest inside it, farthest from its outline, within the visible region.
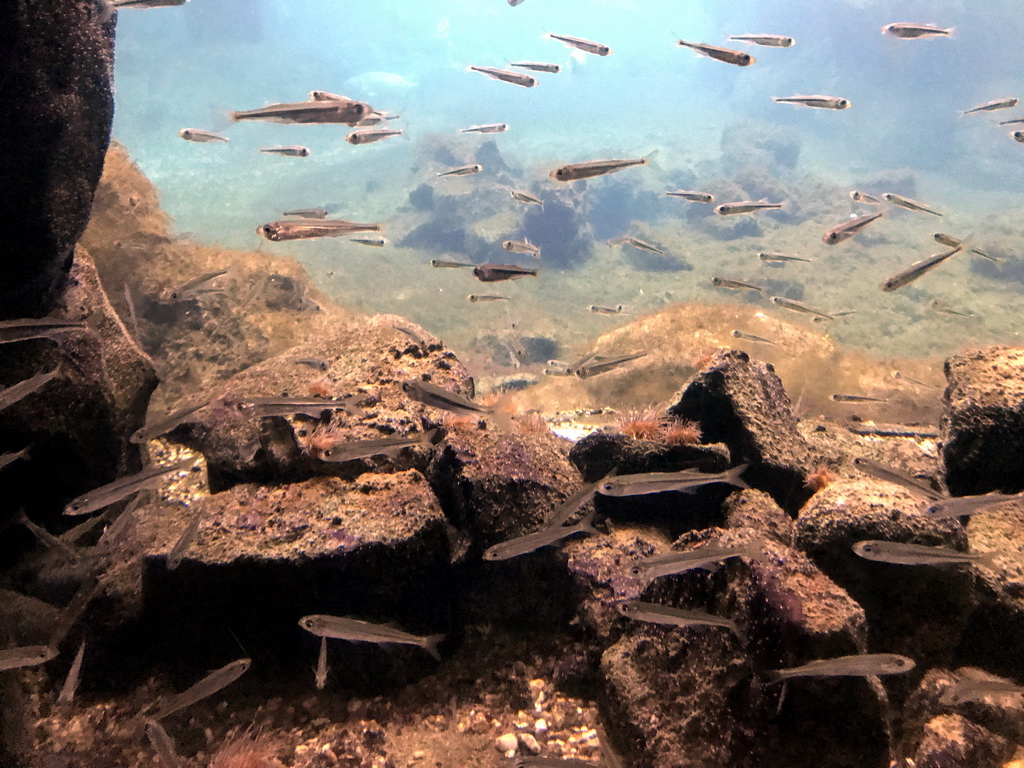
(490, 128)
(729, 56)
(131, 313)
(859, 665)
(993, 106)
(262, 407)
(108, 7)
(599, 310)
(177, 553)
(370, 135)
(908, 31)
(865, 198)
(416, 337)
(576, 171)
(349, 450)
(958, 506)
(354, 630)
(344, 111)
(25, 656)
(463, 170)
(506, 76)
(312, 362)
(188, 289)
(598, 365)
(545, 537)
(24, 329)
(521, 246)
(735, 285)
(304, 229)
(560, 514)
(307, 213)
(953, 242)
(445, 264)
(162, 744)
(293, 151)
(893, 475)
(493, 273)
(320, 676)
(26, 387)
(849, 228)
(906, 202)
(1017, 136)
(67, 691)
(896, 553)
(780, 257)
(917, 269)
(537, 66)
(972, 687)
(476, 298)
(439, 397)
(1015, 121)
(375, 118)
(209, 685)
(816, 102)
(770, 41)
(526, 197)
(705, 558)
(636, 243)
(751, 337)
(799, 306)
(156, 427)
(328, 96)
(676, 617)
(123, 487)
(374, 241)
(685, 481)
(693, 197)
(201, 137)
(587, 46)
(912, 380)
(857, 399)
(745, 206)
(514, 3)
(47, 539)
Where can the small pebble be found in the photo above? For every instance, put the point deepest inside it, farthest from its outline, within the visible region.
(507, 744)
(529, 743)
(540, 727)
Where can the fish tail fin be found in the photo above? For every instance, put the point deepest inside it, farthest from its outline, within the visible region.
(587, 524)
(989, 560)
(775, 676)
(649, 159)
(740, 634)
(733, 476)
(430, 643)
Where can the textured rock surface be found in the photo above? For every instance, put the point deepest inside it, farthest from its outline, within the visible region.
(57, 101)
(983, 423)
(757, 510)
(951, 741)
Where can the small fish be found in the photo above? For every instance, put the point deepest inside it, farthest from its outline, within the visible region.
(865, 198)
(177, 553)
(370, 135)
(107, 7)
(162, 744)
(438, 397)
(560, 514)
(463, 170)
(26, 387)
(636, 243)
(745, 206)
(189, 288)
(350, 450)
(587, 46)
(857, 399)
(209, 685)
(506, 76)
(477, 297)
(769, 41)
(799, 306)
(849, 228)
(938, 305)
(67, 691)
(374, 241)
(24, 329)
(780, 258)
(992, 106)
(304, 229)
(958, 506)
(545, 537)
(1017, 136)
(953, 242)
(860, 665)
(201, 137)
(493, 273)
(908, 31)
(417, 338)
(537, 66)
(131, 313)
(154, 428)
(906, 202)
(599, 310)
(686, 481)
(815, 102)
(675, 617)
(263, 407)
(25, 656)
(320, 677)
(751, 337)
(444, 264)
(896, 553)
(917, 269)
(526, 197)
(735, 285)
(328, 96)
(598, 365)
(918, 382)
(307, 213)
(340, 110)
(312, 362)
(705, 558)
(972, 687)
(294, 151)
(893, 475)
(576, 171)
(47, 539)
(693, 197)
(121, 488)
(490, 128)
(739, 58)
(354, 630)
(521, 246)
(1015, 121)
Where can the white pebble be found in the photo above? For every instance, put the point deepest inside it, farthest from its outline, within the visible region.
(529, 743)
(507, 744)
(540, 727)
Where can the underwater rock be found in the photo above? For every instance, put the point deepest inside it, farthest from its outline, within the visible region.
(58, 104)
(742, 403)
(443, 235)
(422, 198)
(951, 741)
(616, 203)
(559, 228)
(983, 422)
(757, 510)
(756, 142)
(489, 156)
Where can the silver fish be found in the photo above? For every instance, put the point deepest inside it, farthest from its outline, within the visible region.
(865, 198)
(438, 397)
(973, 687)
(490, 128)
(909, 31)
(188, 289)
(521, 246)
(304, 229)
(295, 151)
(350, 450)
(343, 111)
(849, 228)
(477, 297)
(26, 387)
(693, 197)
(445, 264)
(780, 258)
(526, 197)
(151, 477)
(177, 553)
(493, 273)
(906, 202)
(893, 475)
(109, 6)
(751, 337)
(735, 285)
(209, 685)
(32, 328)
(917, 269)
(1015, 121)
(729, 56)
(263, 407)
(769, 41)
(463, 170)
(376, 118)
(840, 398)
(576, 171)
(675, 617)
(917, 382)
(370, 135)
(1017, 136)
(599, 310)
(162, 744)
(956, 506)
(560, 514)
(313, 362)
(705, 558)
(860, 665)
(25, 656)
(537, 66)
(686, 481)
(587, 46)
(67, 691)
(307, 213)
(531, 542)
(354, 630)
(798, 306)
(598, 365)
(954, 242)
(201, 137)
(817, 101)
(374, 241)
(320, 677)
(328, 96)
(506, 76)
(896, 553)
(636, 242)
(745, 206)
(992, 106)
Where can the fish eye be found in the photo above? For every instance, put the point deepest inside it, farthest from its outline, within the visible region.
(267, 229)
(844, 103)
(832, 237)
(635, 570)
(745, 58)
(607, 487)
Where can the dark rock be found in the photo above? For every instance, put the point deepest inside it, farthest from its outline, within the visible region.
(951, 741)
(742, 403)
(983, 422)
(422, 198)
(755, 142)
(757, 510)
(615, 203)
(559, 228)
(58, 105)
(443, 235)
(489, 156)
